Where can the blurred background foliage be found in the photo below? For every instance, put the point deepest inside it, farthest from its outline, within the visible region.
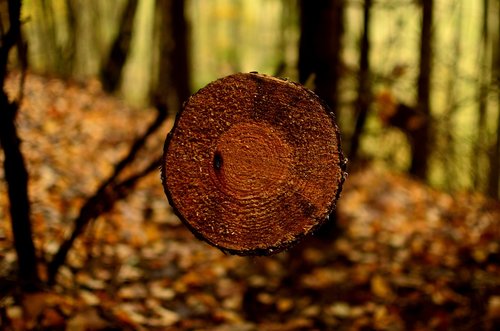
(74, 39)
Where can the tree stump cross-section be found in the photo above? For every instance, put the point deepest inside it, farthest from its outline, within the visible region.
(253, 163)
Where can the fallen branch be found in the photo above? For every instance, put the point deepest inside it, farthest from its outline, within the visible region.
(109, 192)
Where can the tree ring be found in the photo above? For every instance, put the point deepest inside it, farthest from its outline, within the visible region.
(255, 158)
(253, 163)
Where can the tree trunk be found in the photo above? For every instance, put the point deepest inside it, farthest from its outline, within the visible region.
(420, 152)
(494, 176)
(364, 87)
(112, 68)
(180, 53)
(449, 160)
(320, 49)
(70, 48)
(320, 46)
(49, 37)
(172, 86)
(482, 98)
(15, 171)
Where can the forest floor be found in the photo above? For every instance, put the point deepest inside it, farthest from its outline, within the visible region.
(406, 257)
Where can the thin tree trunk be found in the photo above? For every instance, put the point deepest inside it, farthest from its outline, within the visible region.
(482, 98)
(449, 160)
(420, 152)
(283, 40)
(70, 48)
(364, 88)
(112, 68)
(494, 176)
(15, 171)
(49, 38)
(494, 181)
(163, 92)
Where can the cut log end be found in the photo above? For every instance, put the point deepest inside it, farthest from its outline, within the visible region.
(253, 164)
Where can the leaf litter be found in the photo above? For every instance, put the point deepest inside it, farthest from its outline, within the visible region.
(406, 257)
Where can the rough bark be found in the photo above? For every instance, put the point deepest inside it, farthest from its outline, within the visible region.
(15, 171)
(420, 152)
(253, 164)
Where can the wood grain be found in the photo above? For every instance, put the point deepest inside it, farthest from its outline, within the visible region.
(253, 163)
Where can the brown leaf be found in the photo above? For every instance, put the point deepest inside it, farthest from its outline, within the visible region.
(87, 319)
(381, 288)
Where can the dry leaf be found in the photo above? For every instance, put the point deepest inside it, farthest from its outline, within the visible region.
(381, 288)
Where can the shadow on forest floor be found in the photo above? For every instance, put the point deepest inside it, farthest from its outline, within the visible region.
(408, 257)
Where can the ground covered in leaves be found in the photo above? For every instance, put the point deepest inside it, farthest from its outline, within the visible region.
(405, 258)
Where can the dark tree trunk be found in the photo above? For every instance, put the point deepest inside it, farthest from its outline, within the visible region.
(364, 88)
(112, 68)
(172, 86)
(494, 177)
(482, 98)
(15, 171)
(420, 152)
(70, 49)
(320, 46)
